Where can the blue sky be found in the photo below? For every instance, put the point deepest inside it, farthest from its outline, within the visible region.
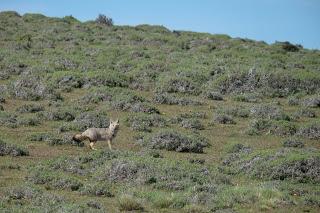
(297, 21)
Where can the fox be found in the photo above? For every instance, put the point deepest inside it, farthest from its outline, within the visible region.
(99, 134)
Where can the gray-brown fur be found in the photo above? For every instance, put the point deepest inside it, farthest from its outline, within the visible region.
(99, 134)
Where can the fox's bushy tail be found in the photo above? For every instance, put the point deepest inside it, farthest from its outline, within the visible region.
(79, 137)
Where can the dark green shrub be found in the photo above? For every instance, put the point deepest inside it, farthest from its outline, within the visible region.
(2, 100)
(104, 20)
(287, 46)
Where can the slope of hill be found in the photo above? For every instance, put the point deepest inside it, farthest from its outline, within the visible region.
(207, 122)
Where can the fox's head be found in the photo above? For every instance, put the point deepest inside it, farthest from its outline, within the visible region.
(114, 124)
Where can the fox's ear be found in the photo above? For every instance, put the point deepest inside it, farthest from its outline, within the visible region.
(111, 121)
(117, 121)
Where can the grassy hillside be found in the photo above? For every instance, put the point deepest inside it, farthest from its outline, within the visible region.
(207, 122)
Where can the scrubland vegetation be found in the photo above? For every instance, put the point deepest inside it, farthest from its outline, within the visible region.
(208, 123)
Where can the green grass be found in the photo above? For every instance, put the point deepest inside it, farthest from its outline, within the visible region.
(78, 75)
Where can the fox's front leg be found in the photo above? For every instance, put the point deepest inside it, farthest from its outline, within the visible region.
(91, 145)
(109, 144)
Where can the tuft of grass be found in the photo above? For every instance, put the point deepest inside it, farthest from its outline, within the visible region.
(129, 203)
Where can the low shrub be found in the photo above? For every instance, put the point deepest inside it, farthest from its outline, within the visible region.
(241, 112)
(108, 78)
(94, 204)
(239, 148)
(53, 180)
(170, 99)
(32, 88)
(216, 96)
(191, 115)
(174, 141)
(66, 81)
(28, 121)
(258, 126)
(177, 85)
(13, 150)
(268, 112)
(224, 119)
(311, 102)
(247, 97)
(87, 120)
(293, 143)
(300, 165)
(305, 113)
(192, 124)
(9, 120)
(53, 140)
(123, 171)
(283, 128)
(293, 101)
(28, 197)
(2, 100)
(311, 131)
(96, 97)
(287, 46)
(133, 103)
(97, 189)
(104, 20)
(144, 122)
(280, 128)
(59, 114)
(29, 108)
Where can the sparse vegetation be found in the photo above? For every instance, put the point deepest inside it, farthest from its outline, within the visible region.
(175, 94)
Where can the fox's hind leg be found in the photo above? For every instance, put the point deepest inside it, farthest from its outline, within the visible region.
(109, 144)
(92, 144)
